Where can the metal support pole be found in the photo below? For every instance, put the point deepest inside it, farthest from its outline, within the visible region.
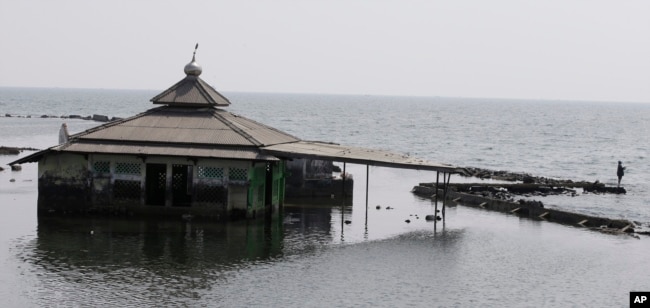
(343, 176)
(446, 188)
(365, 234)
(367, 180)
(343, 203)
(436, 192)
(444, 194)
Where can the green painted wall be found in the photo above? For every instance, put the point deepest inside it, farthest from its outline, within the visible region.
(258, 183)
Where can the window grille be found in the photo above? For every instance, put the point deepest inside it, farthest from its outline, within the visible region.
(238, 174)
(210, 172)
(127, 168)
(102, 167)
(213, 195)
(126, 190)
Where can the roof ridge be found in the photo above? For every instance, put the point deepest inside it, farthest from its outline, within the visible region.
(235, 127)
(266, 126)
(113, 123)
(169, 90)
(176, 94)
(202, 87)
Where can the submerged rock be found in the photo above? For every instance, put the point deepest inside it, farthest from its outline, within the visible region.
(14, 150)
(430, 217)
(100, 118)
(531, 203)
(9, 151)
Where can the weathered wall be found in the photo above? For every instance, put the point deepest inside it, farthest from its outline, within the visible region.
(63, 183)
(117, 184)
(279, 180)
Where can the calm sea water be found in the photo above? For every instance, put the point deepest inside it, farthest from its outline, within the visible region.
(310, 257)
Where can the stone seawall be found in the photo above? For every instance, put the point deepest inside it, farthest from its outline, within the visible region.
(529, 209)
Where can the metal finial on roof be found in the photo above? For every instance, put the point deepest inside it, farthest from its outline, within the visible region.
(193, 68)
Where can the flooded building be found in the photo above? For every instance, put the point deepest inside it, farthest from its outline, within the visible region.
(187, 156)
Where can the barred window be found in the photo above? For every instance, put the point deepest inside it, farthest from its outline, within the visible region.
(102, 167)
(126, 190)
(210, 172)
(212, 195)
(127, 168)
(238, 174)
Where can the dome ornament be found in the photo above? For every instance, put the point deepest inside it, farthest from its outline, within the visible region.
(193, 68)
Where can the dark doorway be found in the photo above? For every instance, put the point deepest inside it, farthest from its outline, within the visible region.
(156, 184)
(181, 185)
(268, 193)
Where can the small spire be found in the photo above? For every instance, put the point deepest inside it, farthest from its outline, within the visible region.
(193, 68)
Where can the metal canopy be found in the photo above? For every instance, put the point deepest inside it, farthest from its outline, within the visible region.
(355, 155)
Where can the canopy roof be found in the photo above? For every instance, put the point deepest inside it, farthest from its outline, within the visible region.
(356, 155)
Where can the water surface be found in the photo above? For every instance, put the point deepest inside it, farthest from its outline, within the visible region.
(310, 257)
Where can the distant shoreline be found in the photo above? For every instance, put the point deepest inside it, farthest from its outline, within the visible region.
(14, 150)
(94, 117)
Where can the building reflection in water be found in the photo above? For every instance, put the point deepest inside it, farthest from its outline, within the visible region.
(166, 246)
(178, 262)
(126, 242)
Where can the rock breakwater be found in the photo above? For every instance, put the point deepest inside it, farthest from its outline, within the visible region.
(94, 117)
(517, 198)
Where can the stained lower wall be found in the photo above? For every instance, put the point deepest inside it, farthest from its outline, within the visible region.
(63, 183)
(171, 186)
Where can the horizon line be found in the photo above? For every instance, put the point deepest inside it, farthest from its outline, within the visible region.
(351, 94)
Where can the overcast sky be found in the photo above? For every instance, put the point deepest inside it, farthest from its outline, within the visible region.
(547, 49)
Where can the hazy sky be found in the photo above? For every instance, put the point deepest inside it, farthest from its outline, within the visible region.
(546, 49)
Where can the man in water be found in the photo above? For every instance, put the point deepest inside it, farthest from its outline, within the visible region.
(620, 172)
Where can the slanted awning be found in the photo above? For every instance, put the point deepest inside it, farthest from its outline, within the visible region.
(355, 155)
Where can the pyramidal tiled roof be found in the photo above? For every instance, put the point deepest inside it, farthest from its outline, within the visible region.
(191, 91)
(168, 125)
(177, 131)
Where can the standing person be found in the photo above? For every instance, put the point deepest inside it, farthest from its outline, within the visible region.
(620, 172)
(63, 133)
